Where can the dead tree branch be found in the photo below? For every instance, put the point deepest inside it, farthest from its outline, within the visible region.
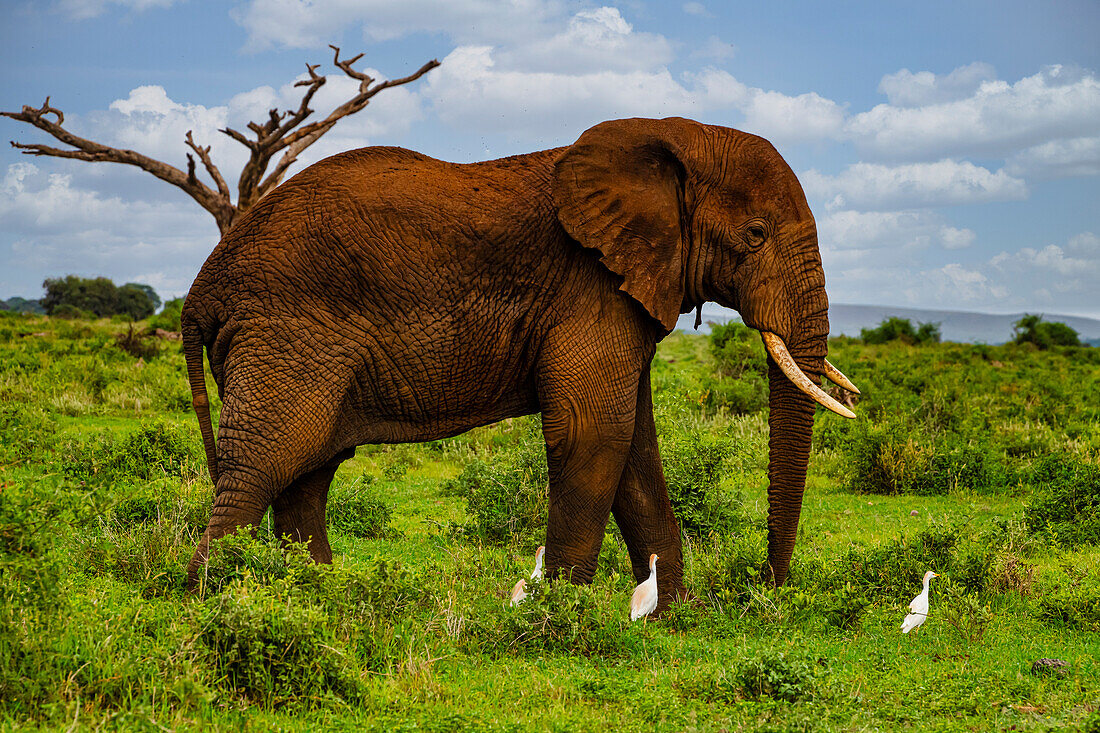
(282, 131)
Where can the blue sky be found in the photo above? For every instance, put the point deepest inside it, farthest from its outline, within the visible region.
(950, 150)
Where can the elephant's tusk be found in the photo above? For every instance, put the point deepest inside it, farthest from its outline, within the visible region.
(836, 377)
(783, 358)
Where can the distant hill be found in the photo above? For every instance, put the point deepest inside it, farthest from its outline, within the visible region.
(21, 305)
(961, 326)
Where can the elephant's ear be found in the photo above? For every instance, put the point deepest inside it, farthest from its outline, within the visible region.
(619, 189)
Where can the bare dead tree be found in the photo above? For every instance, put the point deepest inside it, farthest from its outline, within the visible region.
(282, 132)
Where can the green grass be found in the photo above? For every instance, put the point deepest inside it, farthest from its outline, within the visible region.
(103, 494)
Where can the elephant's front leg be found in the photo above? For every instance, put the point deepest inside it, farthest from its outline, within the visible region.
(588, 423)
(642, 508)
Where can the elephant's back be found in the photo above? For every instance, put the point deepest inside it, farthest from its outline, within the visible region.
(383, 228)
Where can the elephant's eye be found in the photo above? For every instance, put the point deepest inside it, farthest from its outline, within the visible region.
(755, 234)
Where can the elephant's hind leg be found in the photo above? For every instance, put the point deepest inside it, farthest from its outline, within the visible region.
(300, 509)
(271, 439)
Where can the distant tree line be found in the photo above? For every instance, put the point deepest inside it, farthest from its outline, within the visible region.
(15, 304)
(901, 329)
(74, 296)
(1031, 329)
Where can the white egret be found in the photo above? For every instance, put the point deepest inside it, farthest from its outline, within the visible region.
(644, 600)
(519, 591)
(918, 607)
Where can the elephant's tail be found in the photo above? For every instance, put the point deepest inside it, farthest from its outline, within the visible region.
(192, 353)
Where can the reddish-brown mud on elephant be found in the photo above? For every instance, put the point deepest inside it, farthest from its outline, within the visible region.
(382, 296)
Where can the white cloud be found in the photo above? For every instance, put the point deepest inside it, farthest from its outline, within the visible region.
(801, 118)
(906, 89)
(1058, 159)
(997, 120)
(313, 23)
(953, 238)
(84, 9)
(471, 92)
(598, 39)
(57, 228)
(715, 49)
(778, 117)
(1051, 258)
(870, 186)
(958, 284)
(877, 241)
(1057, 277)
(1085, 243)
(697, 9)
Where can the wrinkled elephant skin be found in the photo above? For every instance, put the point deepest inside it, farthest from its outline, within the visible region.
(382, 296)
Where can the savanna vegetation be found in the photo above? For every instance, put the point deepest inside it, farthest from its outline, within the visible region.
(979, 462)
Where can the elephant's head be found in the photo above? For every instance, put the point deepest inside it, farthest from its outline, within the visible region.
(688, 213)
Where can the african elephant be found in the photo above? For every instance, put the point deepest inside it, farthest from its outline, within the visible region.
(382, 296)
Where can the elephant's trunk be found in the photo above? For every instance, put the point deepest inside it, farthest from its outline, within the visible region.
(791, 419)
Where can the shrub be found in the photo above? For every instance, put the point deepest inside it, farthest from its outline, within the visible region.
(356, 510)
(737, 349)
(901, 329)
(154, 449)
(136, 345)
(507, 498)
(842, 606)
(892, 569)
(964, 612)
(744, 395)
(276, 652)
(1065, 503)
(72, 313)
(558, 616)
(694, 463)
(729, 571)
(1032, 329)
(1074, 603)
(741, 384)
(169, 317)
(888, 459)
(774, 675)
(287, 632)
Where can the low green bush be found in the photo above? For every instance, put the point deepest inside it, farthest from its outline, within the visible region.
(1065, 501)
(169, 316)
(155, 449)
(72, 313)
(694, 463)
(740, 385)
(147, 536)
(1074, 602)
(775, 675)
(507, 497)
(885, 458)
(892, 569)
(356, 509)
(730, 568)
(557, 617)
(901, 329)
(286, 632)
